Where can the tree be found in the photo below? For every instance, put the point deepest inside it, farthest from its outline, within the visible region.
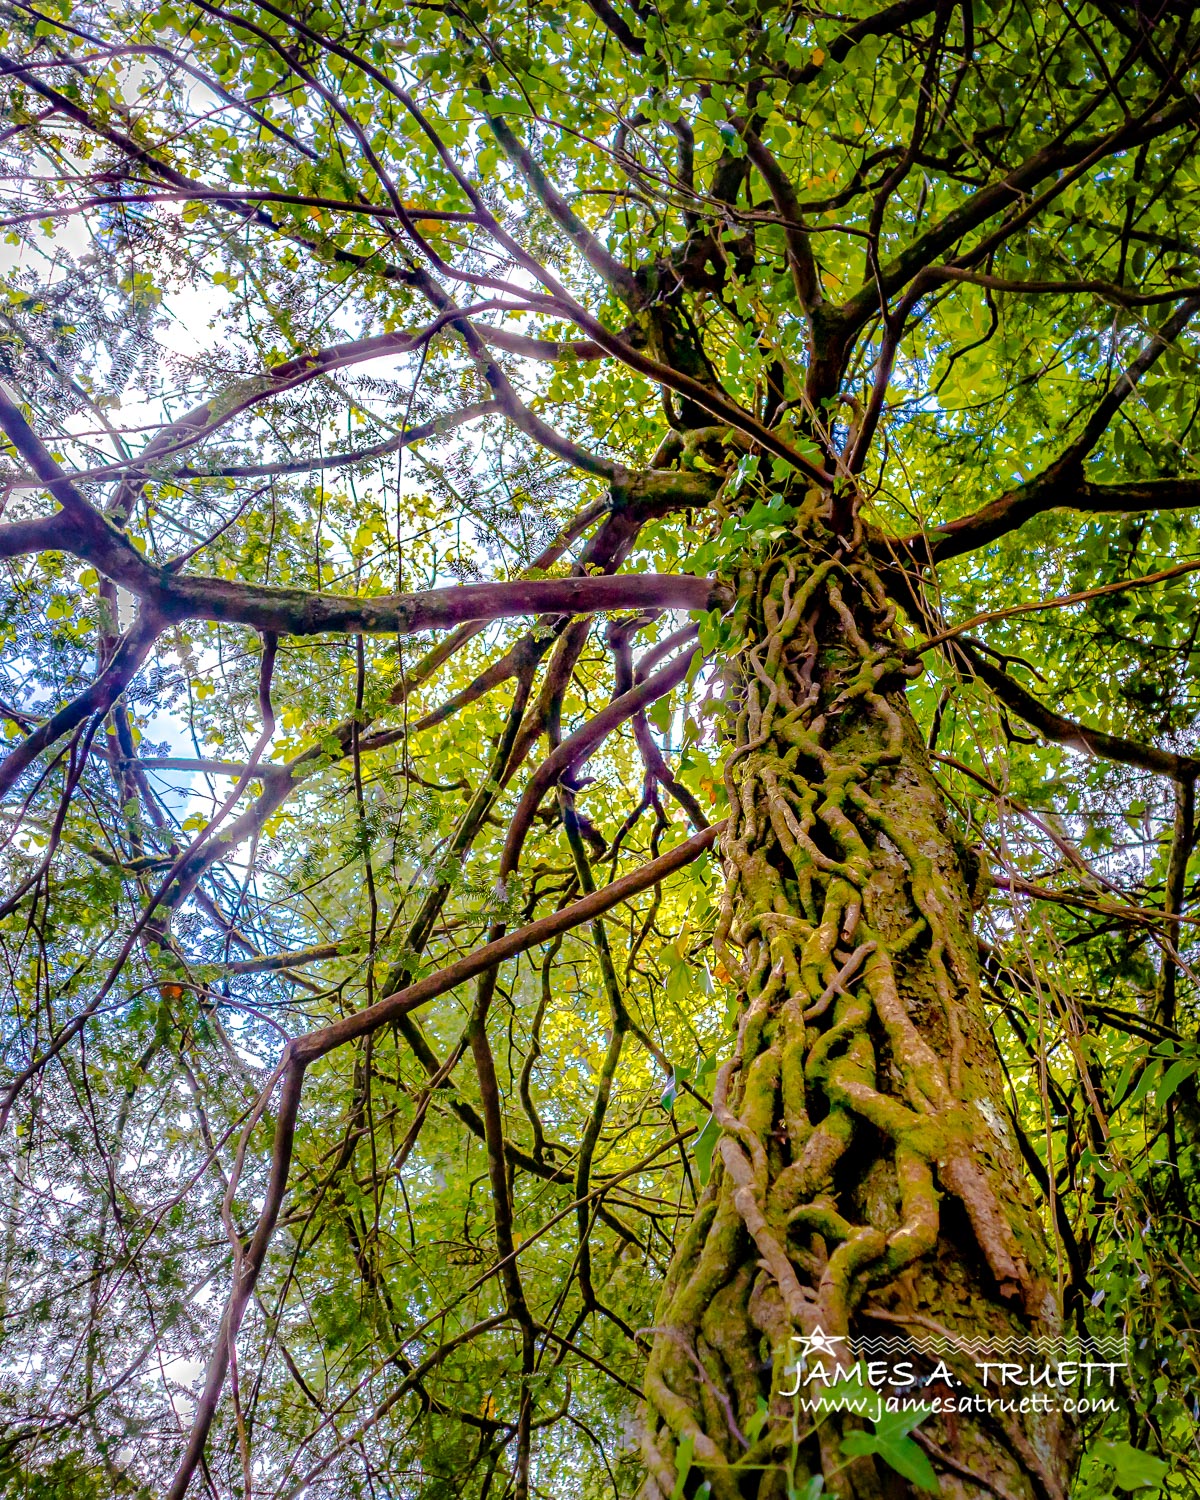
(600, 672)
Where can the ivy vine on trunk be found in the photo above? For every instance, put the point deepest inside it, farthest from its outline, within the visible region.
(864, 1087)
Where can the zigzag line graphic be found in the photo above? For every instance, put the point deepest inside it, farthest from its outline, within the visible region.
(992, 1350)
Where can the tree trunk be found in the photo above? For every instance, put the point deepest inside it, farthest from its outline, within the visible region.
(866, 1182)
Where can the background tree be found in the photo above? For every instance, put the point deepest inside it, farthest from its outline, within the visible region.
(600, 666)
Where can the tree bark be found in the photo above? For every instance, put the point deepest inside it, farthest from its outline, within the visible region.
(866, 1180)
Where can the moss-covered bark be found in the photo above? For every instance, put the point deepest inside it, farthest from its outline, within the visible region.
(866, 1181)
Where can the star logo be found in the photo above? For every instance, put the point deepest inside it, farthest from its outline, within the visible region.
(817, 1342)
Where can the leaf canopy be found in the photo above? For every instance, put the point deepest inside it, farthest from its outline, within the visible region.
(311, 311)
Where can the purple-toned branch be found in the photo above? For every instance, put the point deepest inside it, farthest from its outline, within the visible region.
(301, 1053)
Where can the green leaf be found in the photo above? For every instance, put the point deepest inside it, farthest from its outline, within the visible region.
(1176, 1073)
(681, 981)
(703, 1147)
(813, 1490)
(661, 714)
(683, 1466)
(900, 1453)
(890, 1441)
(757, 1421)
(898, 1424)
(668, 1096)
(1133, 1468)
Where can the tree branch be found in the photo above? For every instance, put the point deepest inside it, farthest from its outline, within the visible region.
(566, 757)
(805, 276)
(300, 612)
(1126, 383)
(1046, 491)
(1056, 492)
(96, 699)
(435, 427)
(1062, 601)
(218, 411)
(1013, 188)
(619, 277)
(81, 528)
(303, 1051)
(1077, 736)
(619, 27)
(1107, 291)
